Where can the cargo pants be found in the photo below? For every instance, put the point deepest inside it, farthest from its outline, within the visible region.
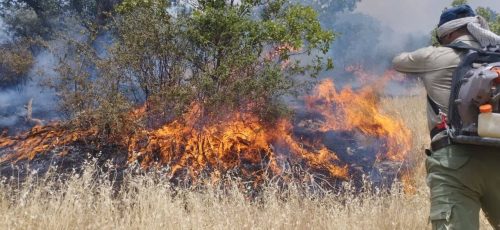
(464, 179)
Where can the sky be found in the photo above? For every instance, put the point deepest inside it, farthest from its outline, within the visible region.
(413, 16)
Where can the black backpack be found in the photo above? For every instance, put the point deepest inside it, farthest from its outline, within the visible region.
(473, 85)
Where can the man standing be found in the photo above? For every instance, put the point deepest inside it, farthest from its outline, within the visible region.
(462, 178)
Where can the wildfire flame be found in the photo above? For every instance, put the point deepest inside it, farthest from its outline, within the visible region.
(348, 111)
(40, 139)
(241, 142)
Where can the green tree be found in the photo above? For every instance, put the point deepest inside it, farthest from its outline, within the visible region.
(223, 56)
(91, 93)
(492, 17)
(232, 51)
(151, 53)
(15, 63)
(458, 2)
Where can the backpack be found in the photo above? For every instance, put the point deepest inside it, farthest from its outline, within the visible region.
(475, 82)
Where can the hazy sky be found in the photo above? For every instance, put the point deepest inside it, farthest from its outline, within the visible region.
(413, 16)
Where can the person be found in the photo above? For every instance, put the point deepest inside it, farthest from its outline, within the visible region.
(463, 179)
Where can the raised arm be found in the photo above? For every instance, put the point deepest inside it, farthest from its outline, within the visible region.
(425, 60)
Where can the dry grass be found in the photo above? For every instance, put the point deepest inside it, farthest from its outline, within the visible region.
(145, 202)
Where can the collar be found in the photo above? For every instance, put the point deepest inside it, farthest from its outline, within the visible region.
(469, 40)
(465, 38)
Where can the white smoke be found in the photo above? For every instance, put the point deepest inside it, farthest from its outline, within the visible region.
(5, 36)
(13, 101)
(364, 40)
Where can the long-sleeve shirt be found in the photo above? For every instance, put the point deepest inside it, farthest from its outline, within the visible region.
(435, 65)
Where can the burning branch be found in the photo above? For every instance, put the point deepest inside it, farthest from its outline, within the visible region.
(29, 115)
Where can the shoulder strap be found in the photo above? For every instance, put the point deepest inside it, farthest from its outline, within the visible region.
(463, 46)
(458, 46)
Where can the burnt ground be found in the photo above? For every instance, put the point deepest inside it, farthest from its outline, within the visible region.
(108, 159)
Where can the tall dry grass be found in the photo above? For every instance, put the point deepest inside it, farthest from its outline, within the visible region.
(147, 202)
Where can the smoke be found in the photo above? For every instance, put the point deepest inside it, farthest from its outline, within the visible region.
(5, 35)
(363, 41)
(60, 46)
(14, 100)
(33, 102)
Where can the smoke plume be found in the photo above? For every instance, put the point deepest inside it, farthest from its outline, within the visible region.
(15, 100)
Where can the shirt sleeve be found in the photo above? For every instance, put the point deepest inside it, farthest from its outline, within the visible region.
(427, 60)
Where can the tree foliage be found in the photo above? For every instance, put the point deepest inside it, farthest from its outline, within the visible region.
(492, 17)
(15, 63)
(458, 2)
(35, 17)
(222, 57)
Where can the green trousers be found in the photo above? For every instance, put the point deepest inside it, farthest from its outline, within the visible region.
(464, 179)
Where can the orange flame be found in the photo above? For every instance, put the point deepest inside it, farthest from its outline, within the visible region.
(349, 111)
(238, 143)
(41, 139)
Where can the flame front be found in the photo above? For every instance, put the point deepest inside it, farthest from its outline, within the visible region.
(241, 143)
(350, 111)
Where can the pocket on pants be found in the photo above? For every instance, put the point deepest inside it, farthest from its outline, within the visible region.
(440, 216)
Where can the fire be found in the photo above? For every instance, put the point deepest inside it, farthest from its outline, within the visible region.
(359, 111)
(41, 139)
(240, 143)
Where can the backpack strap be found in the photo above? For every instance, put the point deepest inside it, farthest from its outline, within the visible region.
(458, 46)
(434, 105)
(435, 108)
(463, 47)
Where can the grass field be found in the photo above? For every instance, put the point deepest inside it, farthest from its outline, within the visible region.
(144, 202)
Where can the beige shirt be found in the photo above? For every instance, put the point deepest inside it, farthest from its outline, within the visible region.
(435, 65)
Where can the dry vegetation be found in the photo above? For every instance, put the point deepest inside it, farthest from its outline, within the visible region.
(146, 202)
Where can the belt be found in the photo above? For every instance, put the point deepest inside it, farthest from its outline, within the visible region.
(439, 144)
(435, 131)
